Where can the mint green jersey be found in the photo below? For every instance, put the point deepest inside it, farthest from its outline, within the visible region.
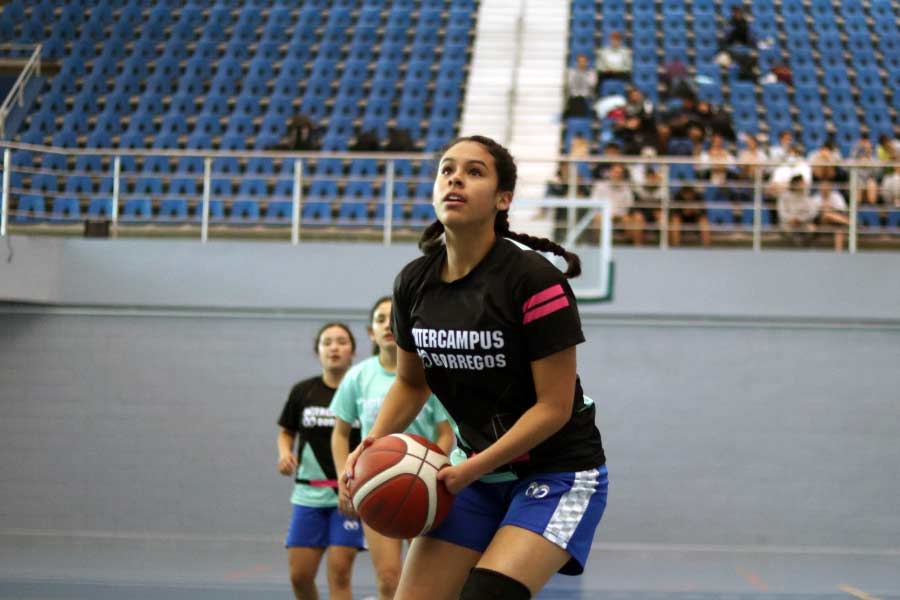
(363, 390)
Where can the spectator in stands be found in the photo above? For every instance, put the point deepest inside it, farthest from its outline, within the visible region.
(738, 30)
(887, 148)
(614, 60)
(716, 174)
(749, 154)
(746, 173)
(366, 141)
(822, 162)
(797, 211)
(617, 189)
(648, 194)
(638, 128)
(682, 116)
(558, 186)
(581, 81)
(697, 138)
(737, 45)
(611, 150)
(715, 120)
(832, 208)
(399, 140)
(663, 136)
(676, 81)
(688, 210)
(793, 165)
(890, 180)
(302, 134)
(867, 176)
(778, 152)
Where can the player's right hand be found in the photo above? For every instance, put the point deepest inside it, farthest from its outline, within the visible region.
(345, 504)
(287, 464)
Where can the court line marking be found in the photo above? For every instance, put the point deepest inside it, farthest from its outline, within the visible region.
(601, 546)
(856, 592)
(587, 317)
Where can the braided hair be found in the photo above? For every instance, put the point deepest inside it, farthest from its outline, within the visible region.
(506, 182)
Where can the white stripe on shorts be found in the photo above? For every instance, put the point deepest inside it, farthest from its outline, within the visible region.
(571, 508)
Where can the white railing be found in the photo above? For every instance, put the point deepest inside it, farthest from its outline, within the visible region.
(753, 225)
(17, 92)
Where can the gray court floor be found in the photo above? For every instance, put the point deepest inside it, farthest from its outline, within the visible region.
(93, 567)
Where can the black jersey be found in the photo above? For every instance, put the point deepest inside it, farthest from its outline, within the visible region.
(477, 337)
(306, 413)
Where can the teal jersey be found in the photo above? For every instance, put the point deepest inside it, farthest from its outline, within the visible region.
(363, 390)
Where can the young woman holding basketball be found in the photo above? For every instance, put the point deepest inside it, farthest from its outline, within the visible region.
(491, 329)
(316, 524)
(359, 398)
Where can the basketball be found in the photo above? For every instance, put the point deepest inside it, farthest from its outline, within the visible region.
(395, 488)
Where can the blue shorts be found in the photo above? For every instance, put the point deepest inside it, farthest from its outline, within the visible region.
(564, 508)
(323, 526)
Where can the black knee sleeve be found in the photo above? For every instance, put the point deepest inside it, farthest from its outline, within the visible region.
(484, 584)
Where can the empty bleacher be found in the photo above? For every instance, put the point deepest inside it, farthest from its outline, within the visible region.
(228, 76)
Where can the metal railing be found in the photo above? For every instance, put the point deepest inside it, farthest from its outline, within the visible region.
(751, 209)
(17, 92)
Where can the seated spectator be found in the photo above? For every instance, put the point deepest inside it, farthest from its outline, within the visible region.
(676, 81)
(792, 165)
(714, 120)
(617, 189)
(751, 153)
(797, 211)
(778, 152)
(832, 209)
(558, 186)
(697, 139)
(682, 117)
(737, 45)
(638, 127)
(581, 82)
(663, 137)
(822, 162)
(717, 174)
(614, 60)
(738, 30)
(890, 179)
(302, 134)
(648, 194)
(399, 140)
(867, 176)
(366, 141)
(611, 150)
(688, 209)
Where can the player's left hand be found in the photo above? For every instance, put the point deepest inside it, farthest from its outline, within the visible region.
(456, 477)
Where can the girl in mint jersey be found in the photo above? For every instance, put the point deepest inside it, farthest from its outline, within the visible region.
(359, 398)
(316, 524)
(491, 328)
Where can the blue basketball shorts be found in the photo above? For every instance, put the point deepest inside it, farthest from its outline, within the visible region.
(564, 508)
(323, 526)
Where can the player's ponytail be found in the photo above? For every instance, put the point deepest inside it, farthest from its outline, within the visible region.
(506, 182)
(573, 262)
(431, 238)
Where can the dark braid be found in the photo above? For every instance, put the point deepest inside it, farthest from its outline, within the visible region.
(431, 238)
(506, 170)
(501, 228)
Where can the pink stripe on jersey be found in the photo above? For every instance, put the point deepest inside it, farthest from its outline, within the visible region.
(548, 294)
(545, 309)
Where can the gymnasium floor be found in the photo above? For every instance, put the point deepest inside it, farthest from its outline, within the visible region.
(92, 568)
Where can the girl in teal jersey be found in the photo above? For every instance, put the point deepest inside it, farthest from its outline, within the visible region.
(359, 398)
